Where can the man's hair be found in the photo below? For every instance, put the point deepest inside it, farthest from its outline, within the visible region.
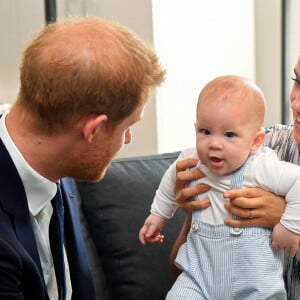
(82, 66)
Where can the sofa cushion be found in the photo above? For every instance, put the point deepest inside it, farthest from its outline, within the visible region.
(115, 209)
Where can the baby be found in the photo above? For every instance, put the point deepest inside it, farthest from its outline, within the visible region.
(229, 135)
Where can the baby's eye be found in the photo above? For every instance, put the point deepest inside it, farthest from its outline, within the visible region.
(204, 131)
(297, 81)
(230, 134)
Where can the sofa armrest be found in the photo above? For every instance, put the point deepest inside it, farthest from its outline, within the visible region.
(115, 209)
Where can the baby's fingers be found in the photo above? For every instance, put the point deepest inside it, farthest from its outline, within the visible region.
(159, 238)
(142, 234)
(152, 231)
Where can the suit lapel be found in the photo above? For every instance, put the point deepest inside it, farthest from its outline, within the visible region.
(80, 272)
(13, 200)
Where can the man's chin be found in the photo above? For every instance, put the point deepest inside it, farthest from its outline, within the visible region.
(99, 177)
(93, 178)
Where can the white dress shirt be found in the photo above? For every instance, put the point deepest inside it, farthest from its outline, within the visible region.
(39, 191)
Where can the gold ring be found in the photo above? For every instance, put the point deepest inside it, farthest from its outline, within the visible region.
(250, 214)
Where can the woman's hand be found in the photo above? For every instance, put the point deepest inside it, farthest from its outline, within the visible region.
(255, 207)
(184, 194)
(184, 197)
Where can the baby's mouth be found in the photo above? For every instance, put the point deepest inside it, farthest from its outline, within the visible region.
(216, 161)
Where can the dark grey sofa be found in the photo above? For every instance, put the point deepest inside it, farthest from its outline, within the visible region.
(113, 211)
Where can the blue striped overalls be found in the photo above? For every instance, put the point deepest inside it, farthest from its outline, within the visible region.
(221, 263)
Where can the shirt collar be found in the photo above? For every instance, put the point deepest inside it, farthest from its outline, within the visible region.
(39, 190)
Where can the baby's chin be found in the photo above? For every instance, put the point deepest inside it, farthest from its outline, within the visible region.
(221, 171)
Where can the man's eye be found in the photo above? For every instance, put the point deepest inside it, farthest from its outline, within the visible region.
(230, 134)
(297, 81)
(205, 131)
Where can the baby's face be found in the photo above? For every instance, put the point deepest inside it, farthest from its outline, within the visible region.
(224, 134)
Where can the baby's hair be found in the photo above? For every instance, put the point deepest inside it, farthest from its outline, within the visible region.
(248, 94)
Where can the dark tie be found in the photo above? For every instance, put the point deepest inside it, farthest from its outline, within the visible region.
(56, 237)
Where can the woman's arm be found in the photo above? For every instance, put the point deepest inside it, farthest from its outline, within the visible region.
(180, 240)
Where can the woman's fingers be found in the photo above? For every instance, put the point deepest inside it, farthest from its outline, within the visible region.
(247, 197)
(254, 206)
(182, 165)
(187, 193)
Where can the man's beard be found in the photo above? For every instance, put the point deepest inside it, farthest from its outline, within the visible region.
(90, 169)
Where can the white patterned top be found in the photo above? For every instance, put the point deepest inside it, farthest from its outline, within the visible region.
(280, 137)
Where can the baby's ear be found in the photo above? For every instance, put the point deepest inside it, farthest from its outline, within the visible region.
(258, 140)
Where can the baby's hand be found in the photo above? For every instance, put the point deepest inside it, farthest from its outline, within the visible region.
(285, 239)
(150, 232)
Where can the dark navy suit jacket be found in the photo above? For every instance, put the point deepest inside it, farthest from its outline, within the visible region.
(21, 275)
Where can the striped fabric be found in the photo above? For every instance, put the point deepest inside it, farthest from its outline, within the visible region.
(280, 138)
(222, 263)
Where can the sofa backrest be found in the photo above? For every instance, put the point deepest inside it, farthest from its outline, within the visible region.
(115, 209)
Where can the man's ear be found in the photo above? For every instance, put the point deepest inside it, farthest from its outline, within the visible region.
(91, 125)
(258, 140)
